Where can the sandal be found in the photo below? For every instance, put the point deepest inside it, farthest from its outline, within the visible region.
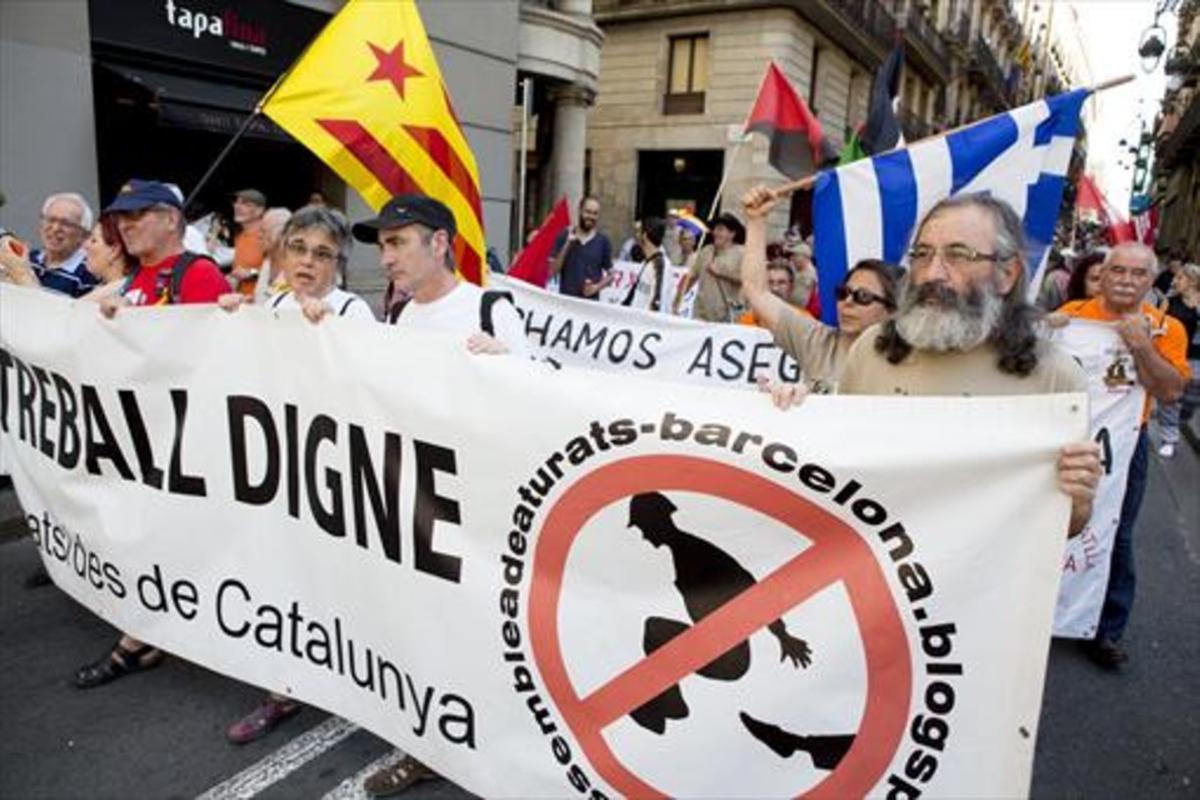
(398, 777)
(117, 664)
(263, 719)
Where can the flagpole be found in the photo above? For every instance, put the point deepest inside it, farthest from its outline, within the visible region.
(216, 163)
(526, 106)
(241, 131)
(786, 189)
(712, 208)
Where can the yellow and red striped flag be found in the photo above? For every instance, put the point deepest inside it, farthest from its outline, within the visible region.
(368, 98)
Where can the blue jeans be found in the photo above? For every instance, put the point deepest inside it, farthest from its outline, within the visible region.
(1118, 599)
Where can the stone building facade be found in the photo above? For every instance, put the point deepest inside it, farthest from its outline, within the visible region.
(677, 78)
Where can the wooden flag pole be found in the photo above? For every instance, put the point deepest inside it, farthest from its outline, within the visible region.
(258, 107)
(788, 188)
(220, 158)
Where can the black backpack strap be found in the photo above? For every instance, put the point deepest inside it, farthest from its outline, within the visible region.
(279, 298)
(486, 302)
(393, 313)
(182, 263)
(346, 305)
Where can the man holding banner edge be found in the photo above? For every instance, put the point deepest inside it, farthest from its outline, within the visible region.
(964, 328)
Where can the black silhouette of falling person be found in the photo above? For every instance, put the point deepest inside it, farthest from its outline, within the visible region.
(707, 577)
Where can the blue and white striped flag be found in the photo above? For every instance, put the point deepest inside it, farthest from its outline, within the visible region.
(869, 209)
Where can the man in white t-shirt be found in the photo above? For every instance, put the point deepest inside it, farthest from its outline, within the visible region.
(415, 235)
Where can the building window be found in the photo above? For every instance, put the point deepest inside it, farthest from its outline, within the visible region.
(687, 74)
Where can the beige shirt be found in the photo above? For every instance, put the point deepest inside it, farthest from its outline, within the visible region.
(717, 293)
(818, 348)
(973, 373)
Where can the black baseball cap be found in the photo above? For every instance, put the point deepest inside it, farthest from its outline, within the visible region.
(407, 209)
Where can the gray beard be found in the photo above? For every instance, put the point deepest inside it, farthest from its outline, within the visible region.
(959, 323)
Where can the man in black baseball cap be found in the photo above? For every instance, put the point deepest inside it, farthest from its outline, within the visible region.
(415, 235)
(407, 209)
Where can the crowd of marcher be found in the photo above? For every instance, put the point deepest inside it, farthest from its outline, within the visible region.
(952, 320)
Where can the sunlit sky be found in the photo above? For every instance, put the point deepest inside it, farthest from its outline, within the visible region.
(1112, 30)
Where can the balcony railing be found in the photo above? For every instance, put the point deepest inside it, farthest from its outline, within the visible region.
(920, 28)
(959, 32)
(984, 64)
(927, 45)
(871, 17)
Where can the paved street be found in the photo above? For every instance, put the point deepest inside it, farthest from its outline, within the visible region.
(160, 734)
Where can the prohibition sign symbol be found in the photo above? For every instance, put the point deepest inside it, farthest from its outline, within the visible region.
(838, 554)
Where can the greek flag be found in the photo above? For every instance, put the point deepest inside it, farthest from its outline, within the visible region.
(869, 209)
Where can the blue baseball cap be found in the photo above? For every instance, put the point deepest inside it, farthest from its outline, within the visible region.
(139, 194)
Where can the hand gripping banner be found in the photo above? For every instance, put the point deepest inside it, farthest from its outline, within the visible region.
(589, 585)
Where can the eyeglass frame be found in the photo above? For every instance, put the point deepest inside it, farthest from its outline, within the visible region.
(320, 254)
(48, 220)
(967, 255)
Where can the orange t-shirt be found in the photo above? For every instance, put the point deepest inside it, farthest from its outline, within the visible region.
(1168, 334)
(248, 253)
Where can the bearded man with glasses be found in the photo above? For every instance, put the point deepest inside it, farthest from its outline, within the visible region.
(962, 327)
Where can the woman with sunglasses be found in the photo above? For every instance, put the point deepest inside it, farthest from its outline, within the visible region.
(867, 296)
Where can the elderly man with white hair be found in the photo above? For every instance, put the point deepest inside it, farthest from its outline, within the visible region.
(1158, 345)
(60, 264)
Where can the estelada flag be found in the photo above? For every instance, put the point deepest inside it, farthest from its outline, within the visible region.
(532, 264)
(368, 98)
(783, 117)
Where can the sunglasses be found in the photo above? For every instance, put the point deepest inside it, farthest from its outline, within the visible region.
(861, 297)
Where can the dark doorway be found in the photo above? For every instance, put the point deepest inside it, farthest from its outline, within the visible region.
(143, 131)
(677, 179)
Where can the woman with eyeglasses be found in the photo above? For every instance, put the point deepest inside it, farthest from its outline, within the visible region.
(315, 241)
(314, 244)
(867, 296)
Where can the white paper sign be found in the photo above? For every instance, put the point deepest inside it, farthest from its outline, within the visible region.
(1116, 400)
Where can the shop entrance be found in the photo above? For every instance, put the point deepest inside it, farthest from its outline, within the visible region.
(169, 127)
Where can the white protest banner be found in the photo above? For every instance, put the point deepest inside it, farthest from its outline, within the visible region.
(625, 277)
(568, 331)
(552, 583)
(1116, 400)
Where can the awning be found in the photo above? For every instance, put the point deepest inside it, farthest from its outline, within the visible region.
(199, 104)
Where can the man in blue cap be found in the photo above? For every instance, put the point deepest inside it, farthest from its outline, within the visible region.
(150, 218)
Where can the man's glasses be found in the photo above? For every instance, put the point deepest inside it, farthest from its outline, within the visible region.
(62, 222)
(954, 256)
(860, 297)
(321, 255)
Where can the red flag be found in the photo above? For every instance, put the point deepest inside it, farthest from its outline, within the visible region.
(1089, 200)
(1091, 203)
(781, 116)
(532, 264)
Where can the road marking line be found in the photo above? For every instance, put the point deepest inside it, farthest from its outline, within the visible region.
(352, 787)
(284, 761)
